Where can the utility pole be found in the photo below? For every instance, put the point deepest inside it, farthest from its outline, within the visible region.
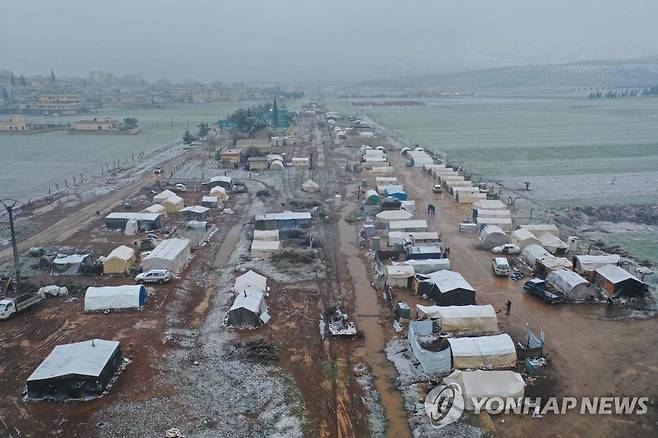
(9, 205)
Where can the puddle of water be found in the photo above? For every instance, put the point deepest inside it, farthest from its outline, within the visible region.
(375, 339)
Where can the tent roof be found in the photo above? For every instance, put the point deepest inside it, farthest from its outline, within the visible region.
(87, 358)
(420, 262)
(207, 198)
(266, 234)
(286, 215)
(155, 208)
(481, 383)
(72, 259)
(534, 252)
(394, 215)
(371, 192)
(482, 220)
(250, 278)
(491, 229)
(137, 216)
(539, 229)
(565, 279)
(484, 212)
(522, 234)
(482, 345)
(468, 311)
(491, 204)
(249, 299)
(615, 274)
(400, 271)
(122, 252)
(165, 194)
(425, 249)
(169, 249)
(550, 241)
(447, 281)
(266, 245)
(198, 209)
(223, 178)
(413, 223)
(591, 262)
(174, 200)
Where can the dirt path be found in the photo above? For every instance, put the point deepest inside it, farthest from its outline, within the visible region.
(591, 355)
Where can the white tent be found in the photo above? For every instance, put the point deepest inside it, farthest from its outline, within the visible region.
(490, 204)
(505, 223)
(462, 319)
(170, 254)
(541, 229)
(427, 266)
(523, 238)
(162, 196)
(493, 213)
(210, 201)
(533, 252)
(155, 208)
(266, 235)
(408, 225)
(393, 215)
(132, 227)
(249, 308)
(398, 275)
(590, 263)
(385, 180)
(173, 204)
(114, 297)
(250, 280)
(119, 260)
(552, 243)
(430, 361)
(493, 235)
(487, 384)
(574, 287)
(310, 186)
(263, 249)
(219, 192)
(483, 352)
(277, 165)
(414, 237)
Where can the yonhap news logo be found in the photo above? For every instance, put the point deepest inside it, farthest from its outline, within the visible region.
(444, 404)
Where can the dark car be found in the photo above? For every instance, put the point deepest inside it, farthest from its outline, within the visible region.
(543, 290)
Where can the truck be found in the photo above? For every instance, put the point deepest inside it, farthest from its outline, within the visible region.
(543, 290)
(11, 306)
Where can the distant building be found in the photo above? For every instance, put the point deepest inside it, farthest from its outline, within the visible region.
(96, 124)
(15, 123)
(65, 104)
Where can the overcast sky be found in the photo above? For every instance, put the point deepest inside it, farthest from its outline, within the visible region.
(313, 41)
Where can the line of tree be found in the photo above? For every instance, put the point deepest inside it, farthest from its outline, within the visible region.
(623, 92)
(252, 118)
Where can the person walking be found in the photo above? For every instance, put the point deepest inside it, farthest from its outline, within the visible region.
(508, 308)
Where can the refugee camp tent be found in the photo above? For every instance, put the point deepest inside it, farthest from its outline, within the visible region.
(73, 264)
(391, 203)
(250, 280)
(483, 212)
(493, 235)
(114, 297)
(523, 238)
(196, 212)
(372, 197)
(480, 384)
(81, 370)
(263, 249)
(381, 189)
(266, 235)
(447, 288)
(398, 275)
(616, 281)
(409, 206)
(545, 265)
(120, 260)
(173, 204)
(210, 201)
(277, 165)
(552, 243)
(222, 181)
(505, 223)
(430, 361)
(220, 193)
(471, 319)
(541, 229)
(490, 204)
(248, 308)
(587, 264)
(170, 254)
(408, 225)
(155, 208)
(310, 186)
(495, 351)
(533, 252)
(132, 227)
(469, 197)
(196, 225)
(423, 237)
(283, 221)
(380, 170)
(574, 287)
(405, 151)
(398, 194)
(163, 196)
(423, 252)
(146, 221)
(392, 215)
(386, 180)
(427, 266)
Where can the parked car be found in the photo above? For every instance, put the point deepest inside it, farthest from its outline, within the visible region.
(181, 188)
(543, 290)
(437, 188)
(159, 276)
(157, 170)
(501, 266)
(508, 248)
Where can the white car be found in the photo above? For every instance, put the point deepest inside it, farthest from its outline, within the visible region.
(501, 266)
(181, 188)
(508, 248)
(159, 276)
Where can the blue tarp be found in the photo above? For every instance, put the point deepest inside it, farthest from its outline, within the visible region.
(398, 194)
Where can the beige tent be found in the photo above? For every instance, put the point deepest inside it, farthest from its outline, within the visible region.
(220, 193)
(483, 352)
(155, 208)
(310, 186)
(462, 319)
(119, 260)
(170, 254)
(523, 238)
(487, 384)
(399, 275)
(263, 249)
(173, 204)
(266, 235)
(163, 196)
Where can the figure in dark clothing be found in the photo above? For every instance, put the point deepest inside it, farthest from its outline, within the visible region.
(508, 308)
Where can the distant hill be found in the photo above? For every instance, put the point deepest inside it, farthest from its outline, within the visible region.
(616, 73)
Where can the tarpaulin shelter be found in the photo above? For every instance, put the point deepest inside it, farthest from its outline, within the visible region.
(398, 194)
(163, 196)
(399, 275)
(523, 238)
(220, 181)
(263, 249)
(248, 308)
(495, 351)
(220, 193)
(430, 361)
(410, 225)
(73, 264)
(541, 229)
(480, 384)
(145, 221)
(196, 213)
(533, 252)
(505, 223)
(616, 281)
(266, 235)
(120, 260)
(310, 186)
(277, 165)
(387, 216)
(462, 319)
(81, 370)
(155, 208)
(381, 189)
(372, 197)
(490, 204)
(447, 288)
(173, 204)
(423, 252)
(250, 280)
(170, 254)
(493, 235)
(573, 286)
(210, 201)
(408, 205)
(427, 266)
(283, 221)
(385, 180)
(587, 264)
(114, 297)
(553, 244)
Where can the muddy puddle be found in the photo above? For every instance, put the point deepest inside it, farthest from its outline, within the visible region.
(366, 315)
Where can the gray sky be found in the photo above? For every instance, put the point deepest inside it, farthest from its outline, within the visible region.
(312, 41)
